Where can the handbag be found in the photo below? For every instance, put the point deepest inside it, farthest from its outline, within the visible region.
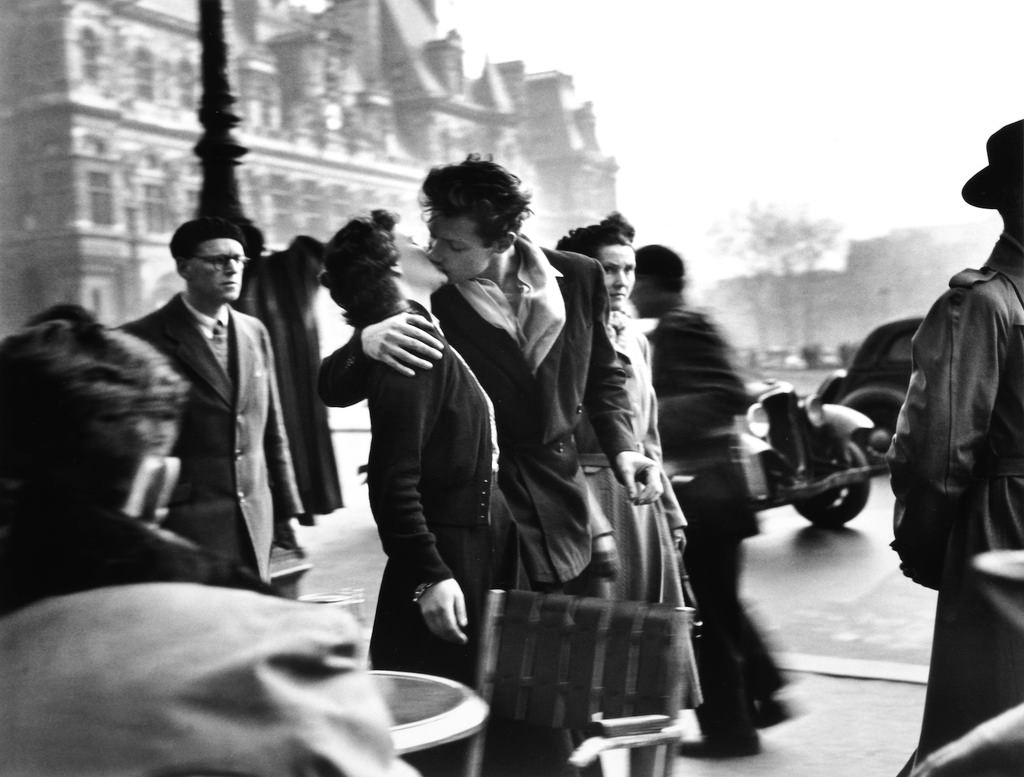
(690, 602)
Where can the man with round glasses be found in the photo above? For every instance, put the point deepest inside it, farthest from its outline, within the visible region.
(237, 487)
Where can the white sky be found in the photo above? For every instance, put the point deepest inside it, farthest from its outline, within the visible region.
(872, 113)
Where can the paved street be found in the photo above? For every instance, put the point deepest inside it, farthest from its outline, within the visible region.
(839, 594)
(851, 632)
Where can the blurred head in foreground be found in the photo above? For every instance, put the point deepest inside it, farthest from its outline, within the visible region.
(81, 406)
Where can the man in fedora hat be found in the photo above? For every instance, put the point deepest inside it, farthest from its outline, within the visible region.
(957, 461)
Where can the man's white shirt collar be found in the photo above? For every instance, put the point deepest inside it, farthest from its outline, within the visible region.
(207, 323)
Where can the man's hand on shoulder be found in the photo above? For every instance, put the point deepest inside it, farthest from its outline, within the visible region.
(405, 342)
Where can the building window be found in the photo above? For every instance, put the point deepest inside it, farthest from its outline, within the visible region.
(53, 197)
(186, 84)
(154, 207)
(91, 53)
(312, 209)
(283, 221)
(101, 198)
(145, 75)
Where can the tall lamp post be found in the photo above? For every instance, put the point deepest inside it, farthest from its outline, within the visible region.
(218, 149)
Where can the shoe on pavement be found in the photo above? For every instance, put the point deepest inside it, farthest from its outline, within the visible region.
(721, 747)
(770, 712)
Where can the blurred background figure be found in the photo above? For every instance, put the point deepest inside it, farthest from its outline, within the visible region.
(280, 289)
(107, 669)
(237, 492)
(432, 455)
(699, 396)
(647, 537)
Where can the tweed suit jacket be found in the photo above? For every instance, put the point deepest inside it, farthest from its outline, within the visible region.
(235, 459)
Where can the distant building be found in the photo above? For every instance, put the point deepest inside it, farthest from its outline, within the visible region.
(893, 276)
(342, 111)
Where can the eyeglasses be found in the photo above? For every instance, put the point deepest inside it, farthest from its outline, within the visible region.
(221, 261)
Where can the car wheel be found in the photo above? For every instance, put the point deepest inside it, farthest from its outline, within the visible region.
(834, 509)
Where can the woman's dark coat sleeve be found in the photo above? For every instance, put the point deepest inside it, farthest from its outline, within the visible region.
(403, 412)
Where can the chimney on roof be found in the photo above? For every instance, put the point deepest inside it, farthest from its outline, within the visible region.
(445, 59)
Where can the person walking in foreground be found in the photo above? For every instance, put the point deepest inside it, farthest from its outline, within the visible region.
(699, 395)
(957, 461)
(237, 491)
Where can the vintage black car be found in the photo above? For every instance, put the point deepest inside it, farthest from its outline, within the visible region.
(876, 381)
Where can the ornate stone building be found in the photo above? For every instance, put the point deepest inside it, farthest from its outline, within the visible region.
(342, 110)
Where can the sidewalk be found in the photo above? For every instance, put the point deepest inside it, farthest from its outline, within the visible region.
(849, 723)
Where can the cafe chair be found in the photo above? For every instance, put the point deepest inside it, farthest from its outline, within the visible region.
(618, 671)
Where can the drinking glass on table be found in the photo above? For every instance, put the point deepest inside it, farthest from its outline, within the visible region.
(351, 599)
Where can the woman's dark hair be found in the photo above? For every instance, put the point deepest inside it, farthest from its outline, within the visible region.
(359, 266)
(481, 190)
(614, 230)
(72, 395)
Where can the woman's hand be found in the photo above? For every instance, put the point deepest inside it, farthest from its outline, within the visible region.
(444, 609)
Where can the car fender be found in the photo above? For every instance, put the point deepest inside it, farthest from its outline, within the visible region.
(844, 421)
(875, 394)
(830, 387)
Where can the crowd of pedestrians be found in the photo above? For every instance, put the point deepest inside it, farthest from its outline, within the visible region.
(525, 433)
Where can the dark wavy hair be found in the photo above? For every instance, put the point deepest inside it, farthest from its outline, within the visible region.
(72, 394)
(359, 269)
(614, 230)
(481, 190)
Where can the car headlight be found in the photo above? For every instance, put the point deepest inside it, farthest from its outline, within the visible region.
(757, 420)
(814, 409)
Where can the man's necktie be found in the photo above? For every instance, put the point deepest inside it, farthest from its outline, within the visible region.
(219, 344)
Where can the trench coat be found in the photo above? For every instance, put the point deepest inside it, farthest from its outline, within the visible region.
(280, 289)
(178, 678)
(644, 534)
(957, 458)
(236, 469)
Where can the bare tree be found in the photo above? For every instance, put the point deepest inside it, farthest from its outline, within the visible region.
(775, 246)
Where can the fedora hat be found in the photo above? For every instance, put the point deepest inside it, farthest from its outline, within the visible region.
(989, 187)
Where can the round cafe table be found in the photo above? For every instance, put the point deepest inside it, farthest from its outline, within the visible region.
(428, 710)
